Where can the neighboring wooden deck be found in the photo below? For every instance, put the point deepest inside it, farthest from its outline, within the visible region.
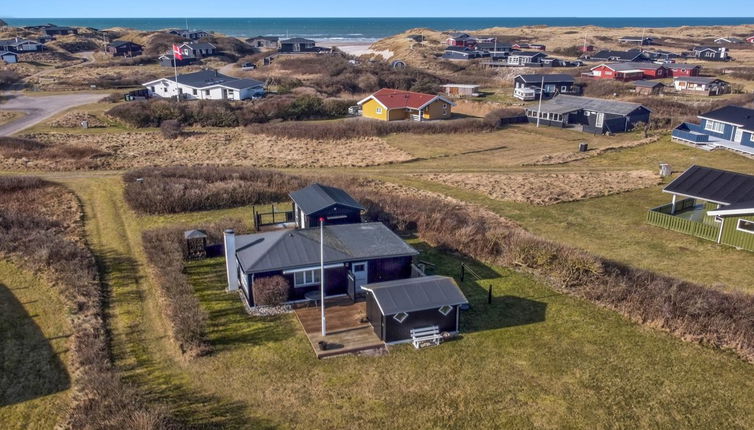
(345, 331)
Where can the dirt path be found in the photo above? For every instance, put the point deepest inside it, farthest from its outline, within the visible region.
(40, 108)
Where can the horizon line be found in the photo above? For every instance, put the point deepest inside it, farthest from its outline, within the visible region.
(360, 17)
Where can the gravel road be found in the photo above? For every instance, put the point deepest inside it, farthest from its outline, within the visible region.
(39, 108)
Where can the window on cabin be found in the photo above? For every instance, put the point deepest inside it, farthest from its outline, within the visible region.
(379, 110)
(745, 226)
(400, 317)
(194, 91)
(714, 126)
(206, 92)
(306, 278)
(445, 310)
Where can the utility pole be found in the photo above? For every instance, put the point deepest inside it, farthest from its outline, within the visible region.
(539, 108)
(322, 273)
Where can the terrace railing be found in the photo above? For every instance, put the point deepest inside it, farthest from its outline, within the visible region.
(661, 217)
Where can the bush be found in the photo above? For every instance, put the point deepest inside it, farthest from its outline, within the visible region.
(76, 156)
(171, 129)
(271, 290)
(8, 77)
(500, 117)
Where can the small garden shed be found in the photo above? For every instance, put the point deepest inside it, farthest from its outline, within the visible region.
(320, 201)
(394, 308)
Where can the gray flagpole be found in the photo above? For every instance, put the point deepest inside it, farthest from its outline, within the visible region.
(322, 273)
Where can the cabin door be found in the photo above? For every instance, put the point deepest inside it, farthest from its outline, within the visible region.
(739, 135)
(360, 273)
(600, 120)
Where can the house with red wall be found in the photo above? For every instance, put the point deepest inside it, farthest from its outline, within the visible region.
(750, 39)
(683, 69)
(632, 71)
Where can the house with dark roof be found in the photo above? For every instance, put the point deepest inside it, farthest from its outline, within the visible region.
(123, 48)
(729, 127)
(391, 105)
(333, 205)
(198, 49)
(205, 85)
(728, 40)
(168, 60)
(190, 34)
(628, 71)
(52, 30)
(701, 85)
(298, 44)
(523, 58)
(634, 55)
(8, 57)
(461, 39)
(636, 40)
(588, 114)
(264, 42)
(710, 53)
(19, 45)
(353, 255)
(527, 87)
(395, 308)
(648, 88)
(711, 204)
(461, 53)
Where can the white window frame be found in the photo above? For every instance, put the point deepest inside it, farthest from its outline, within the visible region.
(740, 221)
(378, 111)
(400, 317)
(308, 278)
(448, 309)
(714, 126)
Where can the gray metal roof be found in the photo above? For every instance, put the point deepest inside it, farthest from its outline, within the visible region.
(620, 55)
(116, 43)
(316, 197)
(715, 185)
(416, 294)
(676, 66)
(527, 54)
(697, 79)
(566, 103)
(199, 45)
(741, 116)
(648, 84)
(297, 40)
(290, 249)
(536, 78)
(632, 65)
(208, 78)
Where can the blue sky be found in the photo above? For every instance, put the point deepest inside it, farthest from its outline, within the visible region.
(361, 8)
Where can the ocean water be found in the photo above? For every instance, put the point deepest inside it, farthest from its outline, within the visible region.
(360, 29)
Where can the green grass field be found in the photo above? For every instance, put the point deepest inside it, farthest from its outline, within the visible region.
(34, 332)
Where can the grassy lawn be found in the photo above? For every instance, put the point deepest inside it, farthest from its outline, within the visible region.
(533, 358)
(513, 146)
(34, 332)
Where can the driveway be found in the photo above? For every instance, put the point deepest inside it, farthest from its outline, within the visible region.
(40, 108)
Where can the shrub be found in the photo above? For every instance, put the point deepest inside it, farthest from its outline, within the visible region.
(500, 117)
(271, 290)
(8, 77)
(77, 156)
(171, 129)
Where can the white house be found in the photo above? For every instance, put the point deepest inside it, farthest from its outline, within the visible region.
(205, 85)
(20, 45)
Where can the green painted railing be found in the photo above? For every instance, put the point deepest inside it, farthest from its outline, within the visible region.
(660, 217)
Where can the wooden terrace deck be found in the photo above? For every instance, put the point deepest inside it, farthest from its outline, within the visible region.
(345, 331)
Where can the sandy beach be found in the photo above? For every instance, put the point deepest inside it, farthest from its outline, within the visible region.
(355, 48)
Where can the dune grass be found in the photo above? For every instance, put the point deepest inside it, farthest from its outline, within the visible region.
(34, 332)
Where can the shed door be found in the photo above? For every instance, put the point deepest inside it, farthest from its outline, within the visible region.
(360, 273)
(739, 135)
(600, 120)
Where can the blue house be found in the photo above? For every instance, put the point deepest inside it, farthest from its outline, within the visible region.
(730, 127)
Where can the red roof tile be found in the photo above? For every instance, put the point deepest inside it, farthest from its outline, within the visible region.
(396, 99)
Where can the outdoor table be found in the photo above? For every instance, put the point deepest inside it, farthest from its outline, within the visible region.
(312, 296)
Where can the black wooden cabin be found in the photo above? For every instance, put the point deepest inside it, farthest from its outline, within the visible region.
(320, 201)
(394, 308)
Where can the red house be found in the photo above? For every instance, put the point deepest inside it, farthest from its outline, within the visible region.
(683, 69)
(750, 39)
(629, 71)
(461, 39)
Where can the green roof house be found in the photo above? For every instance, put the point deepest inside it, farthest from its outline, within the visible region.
(712, 204)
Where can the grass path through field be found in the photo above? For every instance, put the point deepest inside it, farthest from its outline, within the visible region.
(140, 347)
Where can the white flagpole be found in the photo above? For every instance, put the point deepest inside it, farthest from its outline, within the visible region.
(175, 69)
(322, 273)
(539, 109)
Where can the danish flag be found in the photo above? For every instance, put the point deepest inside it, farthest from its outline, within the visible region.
(177, 53)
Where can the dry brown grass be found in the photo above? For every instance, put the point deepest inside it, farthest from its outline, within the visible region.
(74, 119)
(547, 188)
(233, 147)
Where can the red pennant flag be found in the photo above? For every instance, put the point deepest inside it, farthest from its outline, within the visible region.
(177, 53)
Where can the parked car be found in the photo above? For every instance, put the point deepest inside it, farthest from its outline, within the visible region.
(248, 66)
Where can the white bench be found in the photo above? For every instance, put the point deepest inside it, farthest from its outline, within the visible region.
(425, 336)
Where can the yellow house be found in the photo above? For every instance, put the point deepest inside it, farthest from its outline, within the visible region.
(392, 105)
